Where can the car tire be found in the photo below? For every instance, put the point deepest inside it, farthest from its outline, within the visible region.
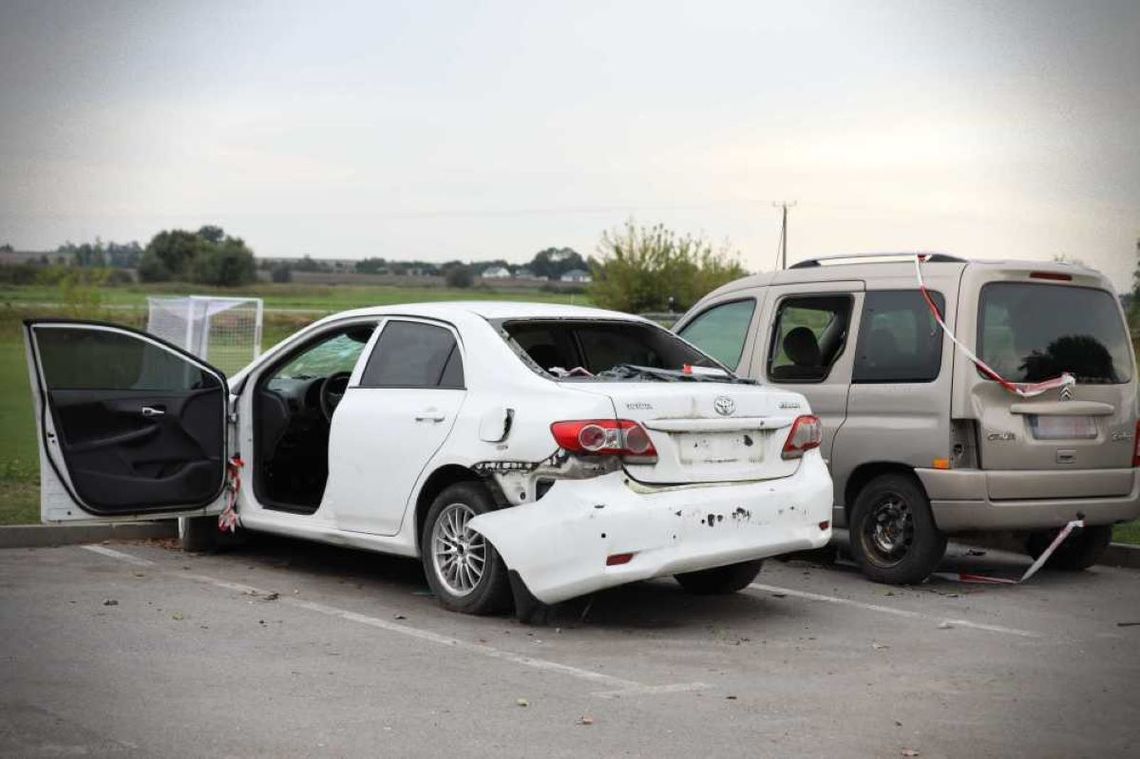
(463, 569)
(720, 580)
(894, 539)
(1081, 549)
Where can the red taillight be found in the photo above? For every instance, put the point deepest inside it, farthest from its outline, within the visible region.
(1055, 276)
(1136, 446)
(606, 437)
(806, 433)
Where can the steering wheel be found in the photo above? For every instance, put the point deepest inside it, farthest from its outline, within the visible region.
(332, 390)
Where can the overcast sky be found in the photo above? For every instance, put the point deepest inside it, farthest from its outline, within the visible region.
(494, 129)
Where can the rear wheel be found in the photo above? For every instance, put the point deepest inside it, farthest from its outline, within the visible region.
(720, 580)
(893, 535)
(463, 569)
(1079, 551)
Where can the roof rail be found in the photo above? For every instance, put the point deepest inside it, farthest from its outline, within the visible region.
(864, 258)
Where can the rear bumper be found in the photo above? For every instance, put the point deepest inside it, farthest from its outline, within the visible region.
(961, 500)
(559, 545)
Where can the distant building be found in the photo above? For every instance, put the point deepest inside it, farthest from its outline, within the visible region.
(496, 272)
(577, 275)
(525, 273)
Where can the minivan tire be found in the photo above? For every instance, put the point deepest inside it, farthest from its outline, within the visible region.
(1081, 549)
(491, 592)
(894, 539)
(720, 580)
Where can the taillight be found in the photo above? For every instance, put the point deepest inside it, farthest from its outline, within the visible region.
(606, 437)
(806, 433)
(1136, 446)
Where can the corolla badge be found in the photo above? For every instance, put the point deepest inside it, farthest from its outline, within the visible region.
(724, 405)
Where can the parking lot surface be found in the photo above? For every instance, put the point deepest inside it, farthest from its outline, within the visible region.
(285, 648)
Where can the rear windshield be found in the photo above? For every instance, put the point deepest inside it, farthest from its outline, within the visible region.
(1034, 332)
(574, 349)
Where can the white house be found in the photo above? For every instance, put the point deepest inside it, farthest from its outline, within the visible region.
(496, 272)
(577, 275)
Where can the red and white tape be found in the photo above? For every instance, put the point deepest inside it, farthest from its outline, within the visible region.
(228, 520)
(1024, 390)
(1040, 562)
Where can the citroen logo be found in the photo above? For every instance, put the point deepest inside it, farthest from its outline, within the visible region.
(724, 405)
(1066, 393)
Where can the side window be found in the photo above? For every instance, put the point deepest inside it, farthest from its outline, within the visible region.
(808, 337)
(899, 340)
(414, 354)
(722, 330)
(96, 359)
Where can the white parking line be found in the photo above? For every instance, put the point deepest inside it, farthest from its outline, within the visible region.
(897, 612)
(618, 686)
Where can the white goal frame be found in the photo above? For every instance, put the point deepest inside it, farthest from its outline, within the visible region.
(187, 321)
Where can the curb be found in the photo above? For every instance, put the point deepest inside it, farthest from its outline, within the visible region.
(1121, 555)
(43, 535)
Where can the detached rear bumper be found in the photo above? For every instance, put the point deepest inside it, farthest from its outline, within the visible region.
(962, 500)
(559, 545)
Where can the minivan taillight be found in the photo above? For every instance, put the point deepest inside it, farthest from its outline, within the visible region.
(606, 437)
(806, 433)
(1136, 446)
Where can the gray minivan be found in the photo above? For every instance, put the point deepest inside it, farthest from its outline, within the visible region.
(920, 442)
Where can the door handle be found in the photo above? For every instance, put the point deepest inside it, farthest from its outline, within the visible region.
(430, 418)
(153, 411)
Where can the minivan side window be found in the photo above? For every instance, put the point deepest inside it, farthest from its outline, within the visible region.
(809, 335)
(414, 354)
(899, 340)
(722, 330)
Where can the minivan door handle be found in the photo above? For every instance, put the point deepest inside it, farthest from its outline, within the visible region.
(1064, 408)
(430, 417)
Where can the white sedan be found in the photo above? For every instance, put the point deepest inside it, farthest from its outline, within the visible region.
(525, 452)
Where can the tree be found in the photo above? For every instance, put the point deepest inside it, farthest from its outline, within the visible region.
(552, 263)
(641, 269)
(458, 275)
(191, 257)
(281, 273)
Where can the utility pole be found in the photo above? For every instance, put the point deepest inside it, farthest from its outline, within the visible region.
(782, 252)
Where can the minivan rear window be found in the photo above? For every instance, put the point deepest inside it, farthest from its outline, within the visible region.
(1032, 332)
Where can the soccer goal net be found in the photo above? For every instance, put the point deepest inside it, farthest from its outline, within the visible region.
(226, 332)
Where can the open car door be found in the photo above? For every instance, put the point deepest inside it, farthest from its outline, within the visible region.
(130, 426)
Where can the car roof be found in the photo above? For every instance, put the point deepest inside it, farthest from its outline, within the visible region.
(892, 266)
(491, 309)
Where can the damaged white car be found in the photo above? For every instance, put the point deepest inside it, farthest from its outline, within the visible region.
(526, 452)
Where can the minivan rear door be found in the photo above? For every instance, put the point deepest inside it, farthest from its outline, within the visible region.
(1033, 326)
(129, 426)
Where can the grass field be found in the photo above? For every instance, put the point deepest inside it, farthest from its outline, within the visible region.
(19, 468)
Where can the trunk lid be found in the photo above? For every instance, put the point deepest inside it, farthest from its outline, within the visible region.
(707, 431)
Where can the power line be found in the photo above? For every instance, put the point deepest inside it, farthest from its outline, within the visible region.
(782, 248)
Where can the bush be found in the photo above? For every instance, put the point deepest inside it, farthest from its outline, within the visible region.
(207, 257)
(18, 274)
(652, 268)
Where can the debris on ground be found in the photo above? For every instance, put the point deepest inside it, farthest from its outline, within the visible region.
(730, 698)
(522, 702)
(945, 626)
(909, 752)
(272, 596)
(779, 595)
(585, 719)
(1128, 624)
(178, 616)
(879, 646)
(110, 602)
(398, 616)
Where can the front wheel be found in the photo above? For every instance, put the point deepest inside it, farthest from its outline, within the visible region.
(720, 580)
(893, 536)
(1079, 551)
(463, 569)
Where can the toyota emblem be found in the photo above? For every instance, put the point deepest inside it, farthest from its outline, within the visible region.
(724, 405)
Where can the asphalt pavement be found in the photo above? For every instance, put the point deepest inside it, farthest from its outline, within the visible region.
(286, 648)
